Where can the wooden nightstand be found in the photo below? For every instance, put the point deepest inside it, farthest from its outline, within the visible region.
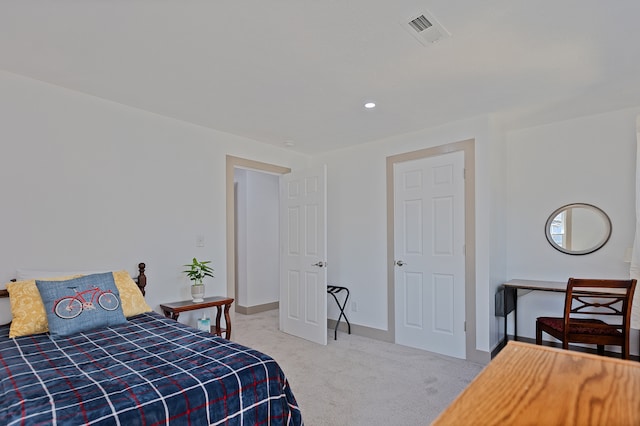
(172, 310)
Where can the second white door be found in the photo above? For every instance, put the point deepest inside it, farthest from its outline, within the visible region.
(303, 257)
(429, 238)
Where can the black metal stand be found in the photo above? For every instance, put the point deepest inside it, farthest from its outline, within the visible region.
(333, 290)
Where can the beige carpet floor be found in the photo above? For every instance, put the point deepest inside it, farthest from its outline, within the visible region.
(356, 380)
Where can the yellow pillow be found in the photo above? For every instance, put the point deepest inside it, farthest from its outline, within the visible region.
(27, 309)
(133, 302)
(29, 315)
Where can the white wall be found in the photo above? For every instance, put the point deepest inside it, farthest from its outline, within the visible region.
(497, 230)
(258, 238)
(357, 255)
(91, 184)
(264, 237)
(588, 160)
(521, 177)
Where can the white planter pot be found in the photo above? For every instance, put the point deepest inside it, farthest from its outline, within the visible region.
(197, 292)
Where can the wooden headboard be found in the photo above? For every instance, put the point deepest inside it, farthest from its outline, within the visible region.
(141, 281)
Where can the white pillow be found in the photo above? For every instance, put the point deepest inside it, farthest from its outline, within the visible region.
(34, 274)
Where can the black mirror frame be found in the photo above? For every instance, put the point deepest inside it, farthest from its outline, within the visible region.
(547, 228)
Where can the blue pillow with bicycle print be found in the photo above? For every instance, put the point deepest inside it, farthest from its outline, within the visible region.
(81, 304)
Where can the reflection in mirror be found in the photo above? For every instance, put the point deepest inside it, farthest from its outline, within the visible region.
(578, 228)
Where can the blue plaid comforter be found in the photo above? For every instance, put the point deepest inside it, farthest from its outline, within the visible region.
(150, 371)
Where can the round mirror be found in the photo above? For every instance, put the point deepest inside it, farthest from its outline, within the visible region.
(578, 228)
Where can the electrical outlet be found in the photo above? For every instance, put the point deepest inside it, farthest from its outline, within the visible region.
(354, 306)
(200, 241)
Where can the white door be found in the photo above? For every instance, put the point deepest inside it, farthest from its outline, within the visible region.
(429, 253)
(303, 272)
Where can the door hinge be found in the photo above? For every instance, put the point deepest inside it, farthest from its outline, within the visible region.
(464, 173)
(465, 326)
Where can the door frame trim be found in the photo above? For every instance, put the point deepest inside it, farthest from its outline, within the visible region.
(468, 148)
(242, 163)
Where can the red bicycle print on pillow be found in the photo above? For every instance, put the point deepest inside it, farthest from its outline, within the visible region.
(68, 307)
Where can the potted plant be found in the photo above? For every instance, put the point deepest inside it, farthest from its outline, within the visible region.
(197, 272)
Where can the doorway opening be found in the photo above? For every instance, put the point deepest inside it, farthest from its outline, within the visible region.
(239, 173)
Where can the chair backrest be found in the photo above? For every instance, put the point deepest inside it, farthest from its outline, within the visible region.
(598, 297)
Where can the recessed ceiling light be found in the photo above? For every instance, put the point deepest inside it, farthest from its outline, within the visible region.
(289, 143)
(370, 105)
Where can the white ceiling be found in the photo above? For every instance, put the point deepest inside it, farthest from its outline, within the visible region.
(300, 70)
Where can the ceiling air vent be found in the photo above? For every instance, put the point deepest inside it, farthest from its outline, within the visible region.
(420, 24)
(425, 28)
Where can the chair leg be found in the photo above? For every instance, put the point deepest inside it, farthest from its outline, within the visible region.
(600, 349)
(538, 334)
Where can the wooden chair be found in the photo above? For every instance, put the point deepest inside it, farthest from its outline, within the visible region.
(585, 300)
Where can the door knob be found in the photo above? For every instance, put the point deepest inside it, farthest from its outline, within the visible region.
(320, 264)
(400, 263)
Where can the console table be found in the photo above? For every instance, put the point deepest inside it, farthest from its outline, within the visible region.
(528, 285)
(529, 384)
(172, 310)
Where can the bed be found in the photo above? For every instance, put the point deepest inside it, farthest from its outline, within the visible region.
(147, 370)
